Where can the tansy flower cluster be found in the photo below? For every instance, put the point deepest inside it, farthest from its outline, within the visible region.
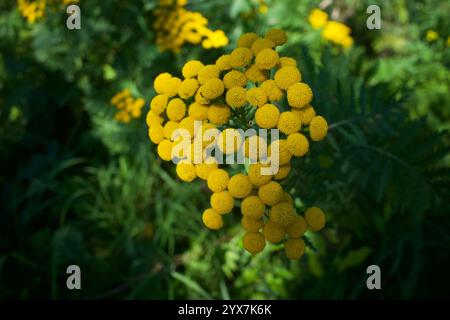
(127, 106)
(175, 26)
(252, 87)
(333, 31)
(33, 10)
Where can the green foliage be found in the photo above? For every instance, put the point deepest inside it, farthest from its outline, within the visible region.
(78, 188)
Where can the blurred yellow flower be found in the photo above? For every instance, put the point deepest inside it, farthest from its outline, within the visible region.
(318, 18)
(129, 107)
(432, 35)
(34, 10)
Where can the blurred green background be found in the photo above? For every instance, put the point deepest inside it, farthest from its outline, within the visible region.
(78, 187)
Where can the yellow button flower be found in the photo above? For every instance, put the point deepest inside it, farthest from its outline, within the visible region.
(256, 177)
(198, 111)
(165, 150)
(160, 82)
(306, 114)
(191, 68)
(255, 148)
(188, 88)
(318, 18)
(315, 218)
(297, 227)
(278, 36)
(267, 116)
(289, 123)
(256, 97)
(253, 242)
(186, 171)
(153, 119)
(210, 71)
(234, 78)
(212, 88)
(299, 95)
(285, 77)
(240, 57)
(255, 74)
(318, 128)
(239, 186)
(273, 92)
(218, 180)
(297, 144)
(261, 44)
(219, 114)
(271, 193)
(222, 202)
(171, 87)
(236, 97)
(283, 172)
(212, 220)
(251, 225)
(288, 198)
(294, 248)
(252, 207)
(188, 124)
(169, 128)
(159, 103)
(156, 133)
(287, 61)
(282, 213)
(247, 39)
(224, 62)
(284, 156)
(199, 98)
(176, 109)
(204, 169)
(273, 232)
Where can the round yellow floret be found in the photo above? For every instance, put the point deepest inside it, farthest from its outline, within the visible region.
(241, 57)
(186, 170)
(267, 116)
(255, 148)
(255, 175)
(288, 198)
(159, 103)
(191, 68)
(229, 141)
(239, 186)
(209, 71)
(267, 59)
(224, 62)
(282, 173)
(255, 74)
(204, 169)
(251, 225)
(318, 128)
(305, 114)
(252, 207)
(247, 39)
(222, 202)
(176, 109)
(271, 193)
(236, 97)
(153, 119)
(212, 220)
(169, 128)
(188, 124)
(297, 144)
(315, 218)
(282, 213)
(297, 227)
(212, 88)
(160, 82)
(278, 36)
(285, 77)
(156, 133)
(218, 180)
(253, 242)
(299, 95)
(219, 114)
(234, 78)
(284, 156)
(171, 87)
(273, 232)
(261, 44)
(294, 248)
(289, 123)
(273, 92)
(256, 97)
(165, 150)
(200, 99)
(287, 61)
(188, 88)
(198, 111)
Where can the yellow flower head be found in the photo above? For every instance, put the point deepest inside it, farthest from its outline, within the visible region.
(253, 242)
(219, 114)
(267, 116)
(289, 123)
(159, 103)
(271, 89)
(297, 227)
(240, 57)
(156, 133)
(251, 225)
(204, 169)
(191, 68)
(239, 186)
(210, 71)
(261, 44)
(176, 109)
(165, 150)
(278, 36)
(186, 171)
(299, 95)
(432, 35)
(297, 144)
(285, 77)
(256, 177)
(294, 248)
(305, 114)
(236, 97)
(283, 172)
(222, 202)
(218, 180)
(287, 61)
(252, 207)
(169, 128)
(212, 88)
(267, 59)
(224, 62)
(234, 78)
(247, 39)
(212, 220)
(315, 218)
(273, 232)
(198, 111)
(271, 193)
(255, 74)
(318, 18)
(188, 88)
(318, 128)
(282, 213)
(256, 97)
